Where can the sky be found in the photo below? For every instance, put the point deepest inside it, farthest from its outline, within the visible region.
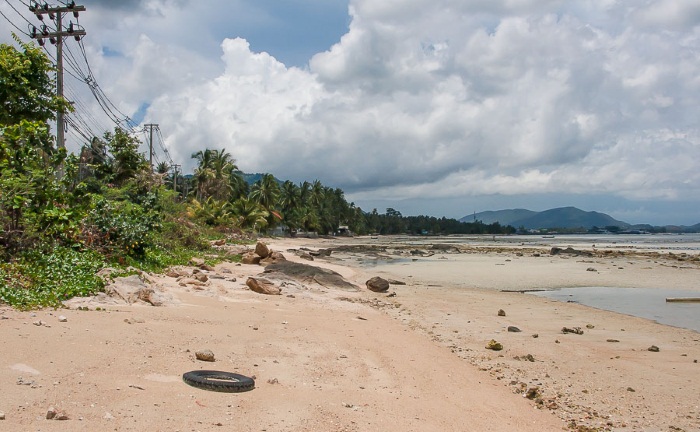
(436, 107)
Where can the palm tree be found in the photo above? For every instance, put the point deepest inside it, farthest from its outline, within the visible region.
(238, 185)
(266, 191)
(250, 214)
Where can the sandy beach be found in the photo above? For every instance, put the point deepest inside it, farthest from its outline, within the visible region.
(411, 359)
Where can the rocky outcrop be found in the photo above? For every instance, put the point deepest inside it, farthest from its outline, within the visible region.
(132, 289)
(307, 274)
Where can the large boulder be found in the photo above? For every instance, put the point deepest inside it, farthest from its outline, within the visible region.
(263, 286)
(262, 250)
(272, 258)
(377, 284)
(250, 258)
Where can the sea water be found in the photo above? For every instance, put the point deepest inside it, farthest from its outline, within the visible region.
(647, 303)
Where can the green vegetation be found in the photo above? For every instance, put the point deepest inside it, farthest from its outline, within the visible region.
(64, 217)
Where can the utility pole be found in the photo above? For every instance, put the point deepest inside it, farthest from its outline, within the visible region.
(150, 143)
(175, 167)
(55, 14)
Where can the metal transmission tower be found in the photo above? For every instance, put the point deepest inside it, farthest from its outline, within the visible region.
(56, 36)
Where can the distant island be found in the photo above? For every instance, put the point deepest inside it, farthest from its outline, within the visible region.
(569, 219)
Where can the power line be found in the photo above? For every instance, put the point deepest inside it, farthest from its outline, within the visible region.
(13, 24)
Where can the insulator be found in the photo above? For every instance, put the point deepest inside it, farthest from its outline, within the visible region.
(70, 28)
(52, 40)
(33, 32)
(40, 16)
(41, 42)
(77, 38)
(44, 30)
(51, 16)
(71, 5)
(76, 14)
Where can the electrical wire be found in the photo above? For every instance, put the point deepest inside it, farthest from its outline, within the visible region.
(14, 25)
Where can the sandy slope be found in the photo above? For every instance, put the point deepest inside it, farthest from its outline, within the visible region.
(337, 361)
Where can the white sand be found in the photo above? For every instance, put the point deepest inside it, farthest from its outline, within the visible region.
(326, 360)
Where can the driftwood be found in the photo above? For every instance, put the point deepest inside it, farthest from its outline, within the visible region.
(682, 299)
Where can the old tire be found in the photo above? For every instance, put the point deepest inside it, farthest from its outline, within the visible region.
(218, 381)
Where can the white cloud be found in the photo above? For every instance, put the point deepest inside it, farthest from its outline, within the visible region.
(422, 98)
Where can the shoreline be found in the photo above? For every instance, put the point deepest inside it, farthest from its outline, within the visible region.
(358, 361)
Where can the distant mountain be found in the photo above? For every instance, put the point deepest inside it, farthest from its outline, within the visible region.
(504, 217)
(564, 217)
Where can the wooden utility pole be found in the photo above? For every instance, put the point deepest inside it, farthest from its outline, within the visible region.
(175, 167)
(56, 37)
(150, 143)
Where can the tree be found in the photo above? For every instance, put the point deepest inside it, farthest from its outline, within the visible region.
(27, 88)
(250, 214)
(127, 160)
(266, 191)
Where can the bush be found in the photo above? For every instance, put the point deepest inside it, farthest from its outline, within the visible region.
(48, 275)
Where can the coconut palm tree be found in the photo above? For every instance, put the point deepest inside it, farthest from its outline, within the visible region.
(250, 214)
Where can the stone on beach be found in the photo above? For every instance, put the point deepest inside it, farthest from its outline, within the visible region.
(250, 258)
(263, 286)
(377, 284)
(494, 345)
(205, 355)
(262, 250)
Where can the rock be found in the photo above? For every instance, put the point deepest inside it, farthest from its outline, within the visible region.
(191, 281)
(263, 286)
(653, 348)
(127, 288)
(591, 269)
(250, 258)
(196, 261)
(396, 282)
(206, 267)
(306, 256)
(377, 284)
(493, 345)
(171, 272)
(574, 330)
(62, 318)
(62, 415)
(2, 415)
(149, 295)
(307, 274)
(51, 413)
(513, 329)
(590, 326)
(501, 312)
(569, 251)
(200, 276)
(262, 250)
(273, 257)
(204, 355)
(532, 393)
(612, 340)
